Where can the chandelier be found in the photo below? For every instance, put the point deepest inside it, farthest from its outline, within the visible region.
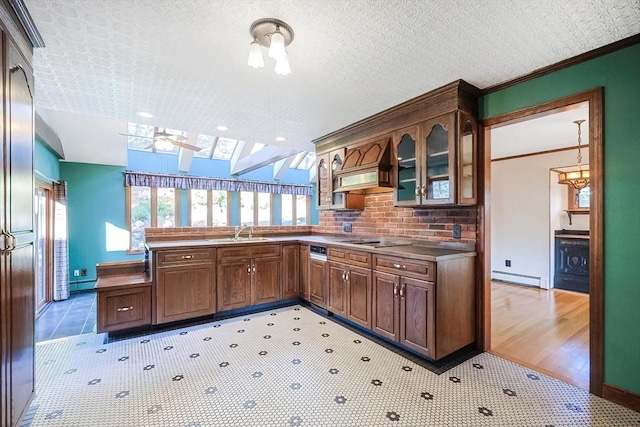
(578, 178)
(274, 35)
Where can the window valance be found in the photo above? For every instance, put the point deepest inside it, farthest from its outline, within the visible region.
(189, 182)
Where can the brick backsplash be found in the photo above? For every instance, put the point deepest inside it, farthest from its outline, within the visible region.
(381, 218)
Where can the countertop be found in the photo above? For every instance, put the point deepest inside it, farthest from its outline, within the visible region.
(405, 248)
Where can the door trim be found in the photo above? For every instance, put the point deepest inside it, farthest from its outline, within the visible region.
(596, 223)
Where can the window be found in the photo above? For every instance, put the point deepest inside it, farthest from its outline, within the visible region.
(140, 214)
(301, 210)
(225, 148)
(264, 208)
(286, 203)
(579, 199)
(208, 208)
(295, 207)
(246, 208)
(150, 207)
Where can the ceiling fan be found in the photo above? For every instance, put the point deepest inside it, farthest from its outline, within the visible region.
(165, 141)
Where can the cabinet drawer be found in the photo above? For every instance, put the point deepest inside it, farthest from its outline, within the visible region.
(124, 308)
(185, 256)
(362, 259)
(248, 251)
(424, 270)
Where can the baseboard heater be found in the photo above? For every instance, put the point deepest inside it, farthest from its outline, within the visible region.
(520, 279)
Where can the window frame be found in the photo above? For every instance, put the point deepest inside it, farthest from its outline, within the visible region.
(209, 209)
(153, 196)
(572, 203)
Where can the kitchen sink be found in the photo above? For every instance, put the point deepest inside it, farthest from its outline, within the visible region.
(377, 243)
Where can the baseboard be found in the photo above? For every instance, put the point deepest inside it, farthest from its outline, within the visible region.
(623, 397)
(520, 279)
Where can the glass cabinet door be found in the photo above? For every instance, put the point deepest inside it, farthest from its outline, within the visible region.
(438, 167)
(467, 160)
(337, 158)
(322, 177)
(407, 176)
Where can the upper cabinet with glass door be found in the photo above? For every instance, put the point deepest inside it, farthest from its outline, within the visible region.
(327, 182)
(435, 162)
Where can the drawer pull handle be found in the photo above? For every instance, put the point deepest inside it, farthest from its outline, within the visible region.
(187, 256)
(248, 269)
(402, 291)
(398, 266)
(124, 309)
(395, 290)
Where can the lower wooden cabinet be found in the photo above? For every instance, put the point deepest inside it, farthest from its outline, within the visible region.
(184, 292)
(290, 271)
(124, 308)
(350, 292)
(318, 282)
(248, 275)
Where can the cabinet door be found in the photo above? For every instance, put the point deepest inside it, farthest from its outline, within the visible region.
(318, 282)
(290, 271)
(406, 155)
(265, 283)
(359, 296)
(184, 292)
(234, 284)
(336, 159)
(385, 315)
(322, 182)
(337, 288)
(438, 165)
(467, 159)
(417, 316)
(304, 272)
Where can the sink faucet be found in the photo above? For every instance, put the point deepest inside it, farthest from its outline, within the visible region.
(238, 229)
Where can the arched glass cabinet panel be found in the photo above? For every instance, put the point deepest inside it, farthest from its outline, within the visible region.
(407, 178)
(438, 185)
(322, 182)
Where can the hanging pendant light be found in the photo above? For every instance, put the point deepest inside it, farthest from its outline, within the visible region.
(275, 35)
(578, 178)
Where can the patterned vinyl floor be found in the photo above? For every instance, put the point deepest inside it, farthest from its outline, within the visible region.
(291, 367)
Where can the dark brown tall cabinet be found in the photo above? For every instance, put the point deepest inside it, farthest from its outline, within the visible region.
(17, 281)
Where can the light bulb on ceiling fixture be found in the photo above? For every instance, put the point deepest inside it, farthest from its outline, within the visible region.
(282, 66)
(255, 55)
(579, 178)
(276, 45)
(163, 144)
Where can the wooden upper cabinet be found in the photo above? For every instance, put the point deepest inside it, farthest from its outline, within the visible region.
(322, 182)
(406, 155)
(438, 166)
(467, 159)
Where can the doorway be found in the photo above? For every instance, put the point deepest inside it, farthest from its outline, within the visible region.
(595, 143)
(44, 245)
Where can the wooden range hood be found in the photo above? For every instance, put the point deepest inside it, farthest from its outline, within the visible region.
(365, 167)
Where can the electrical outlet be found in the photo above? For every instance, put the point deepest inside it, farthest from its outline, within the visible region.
(76, 273)
(507, 263)
(83, 272)
(457, 231)
(347, 227)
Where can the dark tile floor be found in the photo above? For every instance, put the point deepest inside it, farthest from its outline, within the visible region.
(74, 316)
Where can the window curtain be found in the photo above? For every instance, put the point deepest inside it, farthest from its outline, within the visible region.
(61, 244)
(187, 182)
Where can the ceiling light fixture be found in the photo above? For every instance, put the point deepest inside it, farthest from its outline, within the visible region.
(223, 128)
(144, 114)
(579, 178)
(280, 138)
(275, 35)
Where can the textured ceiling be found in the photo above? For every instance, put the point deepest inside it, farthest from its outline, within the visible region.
(185, 61)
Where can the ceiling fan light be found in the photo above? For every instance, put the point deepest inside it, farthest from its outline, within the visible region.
(163, 144)
(255, 55)
(276, 46)
(282, 66)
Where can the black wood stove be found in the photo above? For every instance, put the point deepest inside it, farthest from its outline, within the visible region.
(572, 260)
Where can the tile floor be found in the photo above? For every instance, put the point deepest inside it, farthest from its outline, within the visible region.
(291, 367)
(74, 316)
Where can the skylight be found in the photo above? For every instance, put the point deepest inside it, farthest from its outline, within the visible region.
(224, 148)
(140, 136)
(204, 142)
(308, 161)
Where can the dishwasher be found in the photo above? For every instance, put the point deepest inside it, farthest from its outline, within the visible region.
(318, 275)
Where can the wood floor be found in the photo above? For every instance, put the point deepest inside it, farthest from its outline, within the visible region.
(547, 330)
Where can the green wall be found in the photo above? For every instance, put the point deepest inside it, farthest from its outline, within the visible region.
(95, 197)
(619, 74)
(46, 161)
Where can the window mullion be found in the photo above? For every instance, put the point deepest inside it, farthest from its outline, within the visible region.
(154, 206)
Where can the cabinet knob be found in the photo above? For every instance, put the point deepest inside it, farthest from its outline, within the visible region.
(121, 309)
(397, 265)
(423, 191)
(248, 269)
(187, 256)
